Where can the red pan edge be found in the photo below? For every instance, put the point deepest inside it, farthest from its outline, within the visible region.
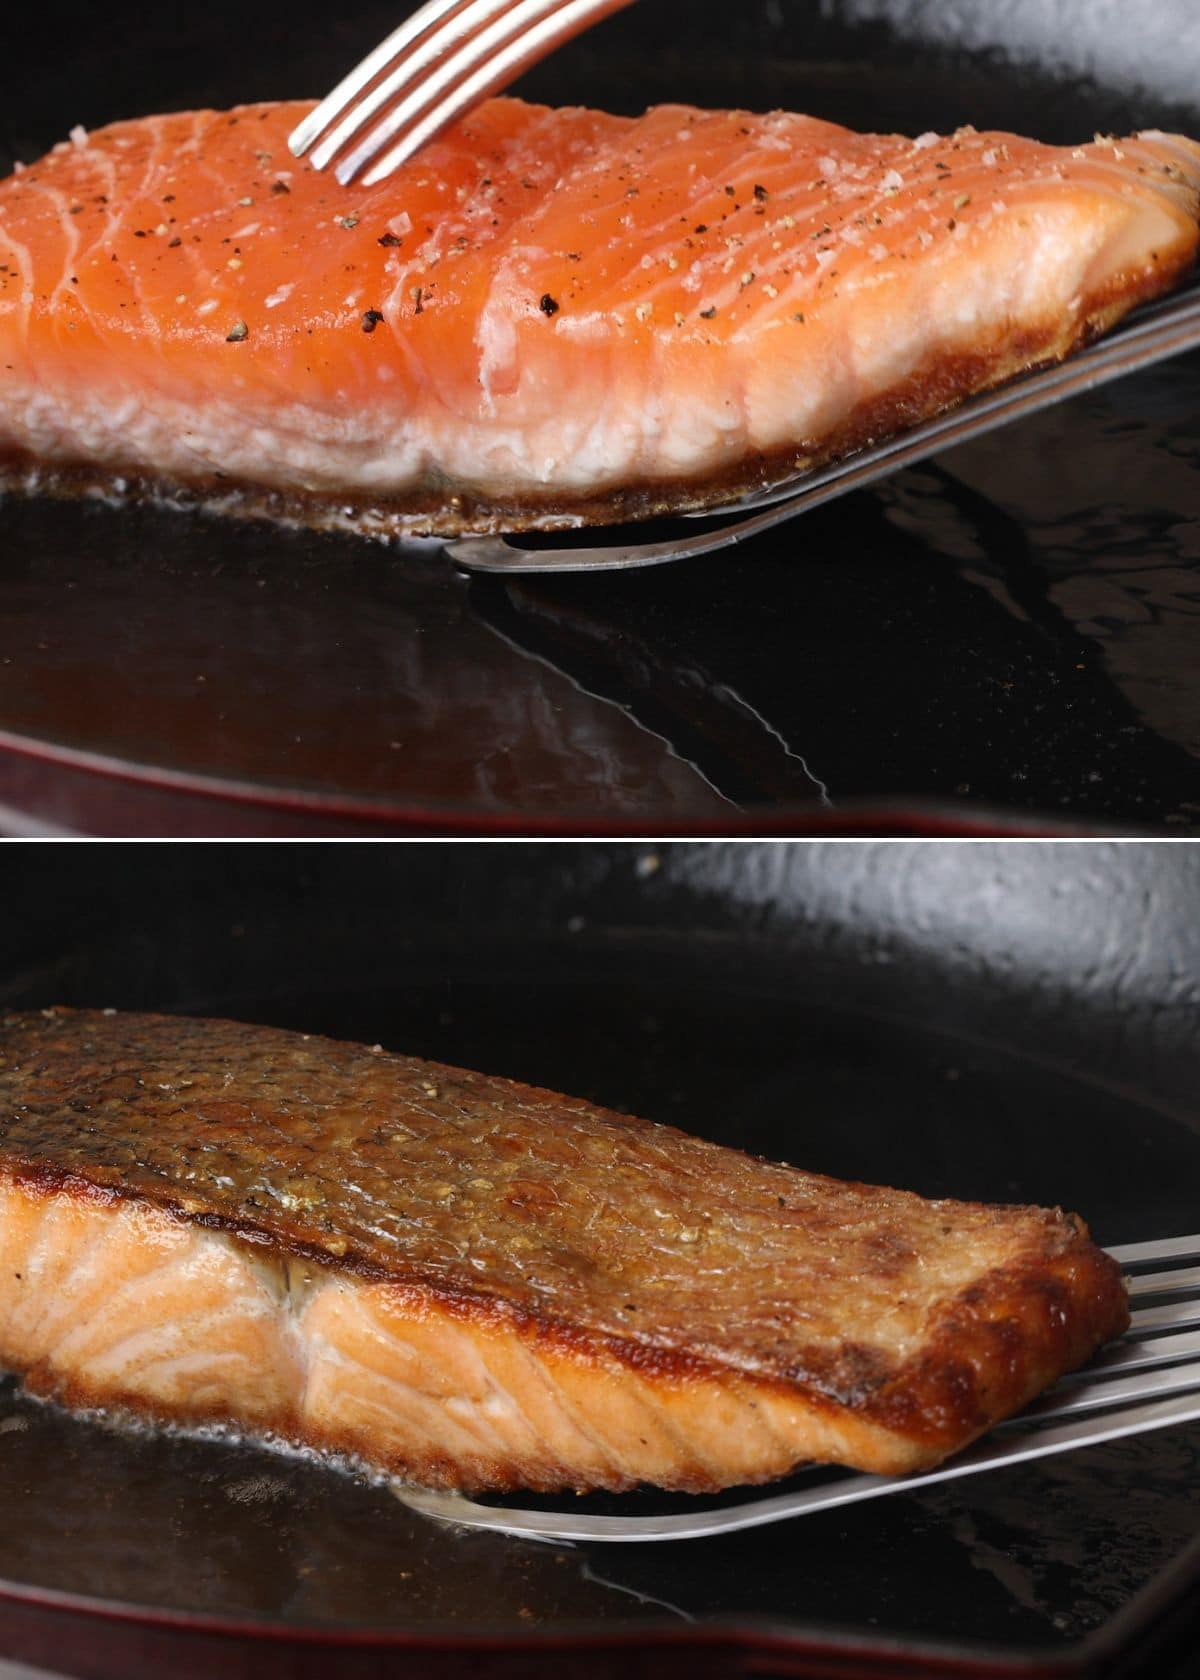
(98, 777)
(72, 1631)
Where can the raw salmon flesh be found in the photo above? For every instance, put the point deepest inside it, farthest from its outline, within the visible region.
(550, 316)
(471, 1283)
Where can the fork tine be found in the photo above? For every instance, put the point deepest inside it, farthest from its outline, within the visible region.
(423, 83)
(1179, 1315)
(334, 104)
(1183, 1282)
(1152, 1253)
(1116, 1388)
(1135, 1355)
(489, 62)
(454, 32)
(401, 61)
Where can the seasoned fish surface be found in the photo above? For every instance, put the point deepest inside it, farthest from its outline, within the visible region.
(473, 1283)
(548, 316)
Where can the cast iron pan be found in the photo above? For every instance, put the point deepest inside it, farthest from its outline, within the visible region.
(1000, 640)
(980, 1021)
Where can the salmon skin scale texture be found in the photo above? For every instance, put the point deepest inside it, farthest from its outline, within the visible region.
(472, 1283)
(549, 316)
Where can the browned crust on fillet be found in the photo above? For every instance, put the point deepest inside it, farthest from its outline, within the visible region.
(77, 1120)
(1000, 1342)
(448, 509)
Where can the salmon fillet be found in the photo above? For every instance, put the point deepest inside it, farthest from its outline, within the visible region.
(549, 316)
(471, 1283)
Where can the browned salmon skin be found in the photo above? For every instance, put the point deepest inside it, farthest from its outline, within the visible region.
(471, 1283)
(548, 316)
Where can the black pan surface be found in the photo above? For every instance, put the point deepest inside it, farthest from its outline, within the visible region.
(844, 1051)
(1009, 628)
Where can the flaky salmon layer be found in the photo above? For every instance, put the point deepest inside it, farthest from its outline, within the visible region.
(549, 315)
(472, 1283)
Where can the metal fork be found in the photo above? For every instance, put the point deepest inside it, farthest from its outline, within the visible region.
(445, 58)
(1148, 1379)
(1149, 335)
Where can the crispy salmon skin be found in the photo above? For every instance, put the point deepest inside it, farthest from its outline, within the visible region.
(468, 1282)
(549, 316)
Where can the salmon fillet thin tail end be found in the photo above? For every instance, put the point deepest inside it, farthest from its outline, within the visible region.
(549, 317)
(469, 1282)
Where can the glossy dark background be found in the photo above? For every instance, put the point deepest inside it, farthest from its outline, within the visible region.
(994, 1021)
(1006, 635)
